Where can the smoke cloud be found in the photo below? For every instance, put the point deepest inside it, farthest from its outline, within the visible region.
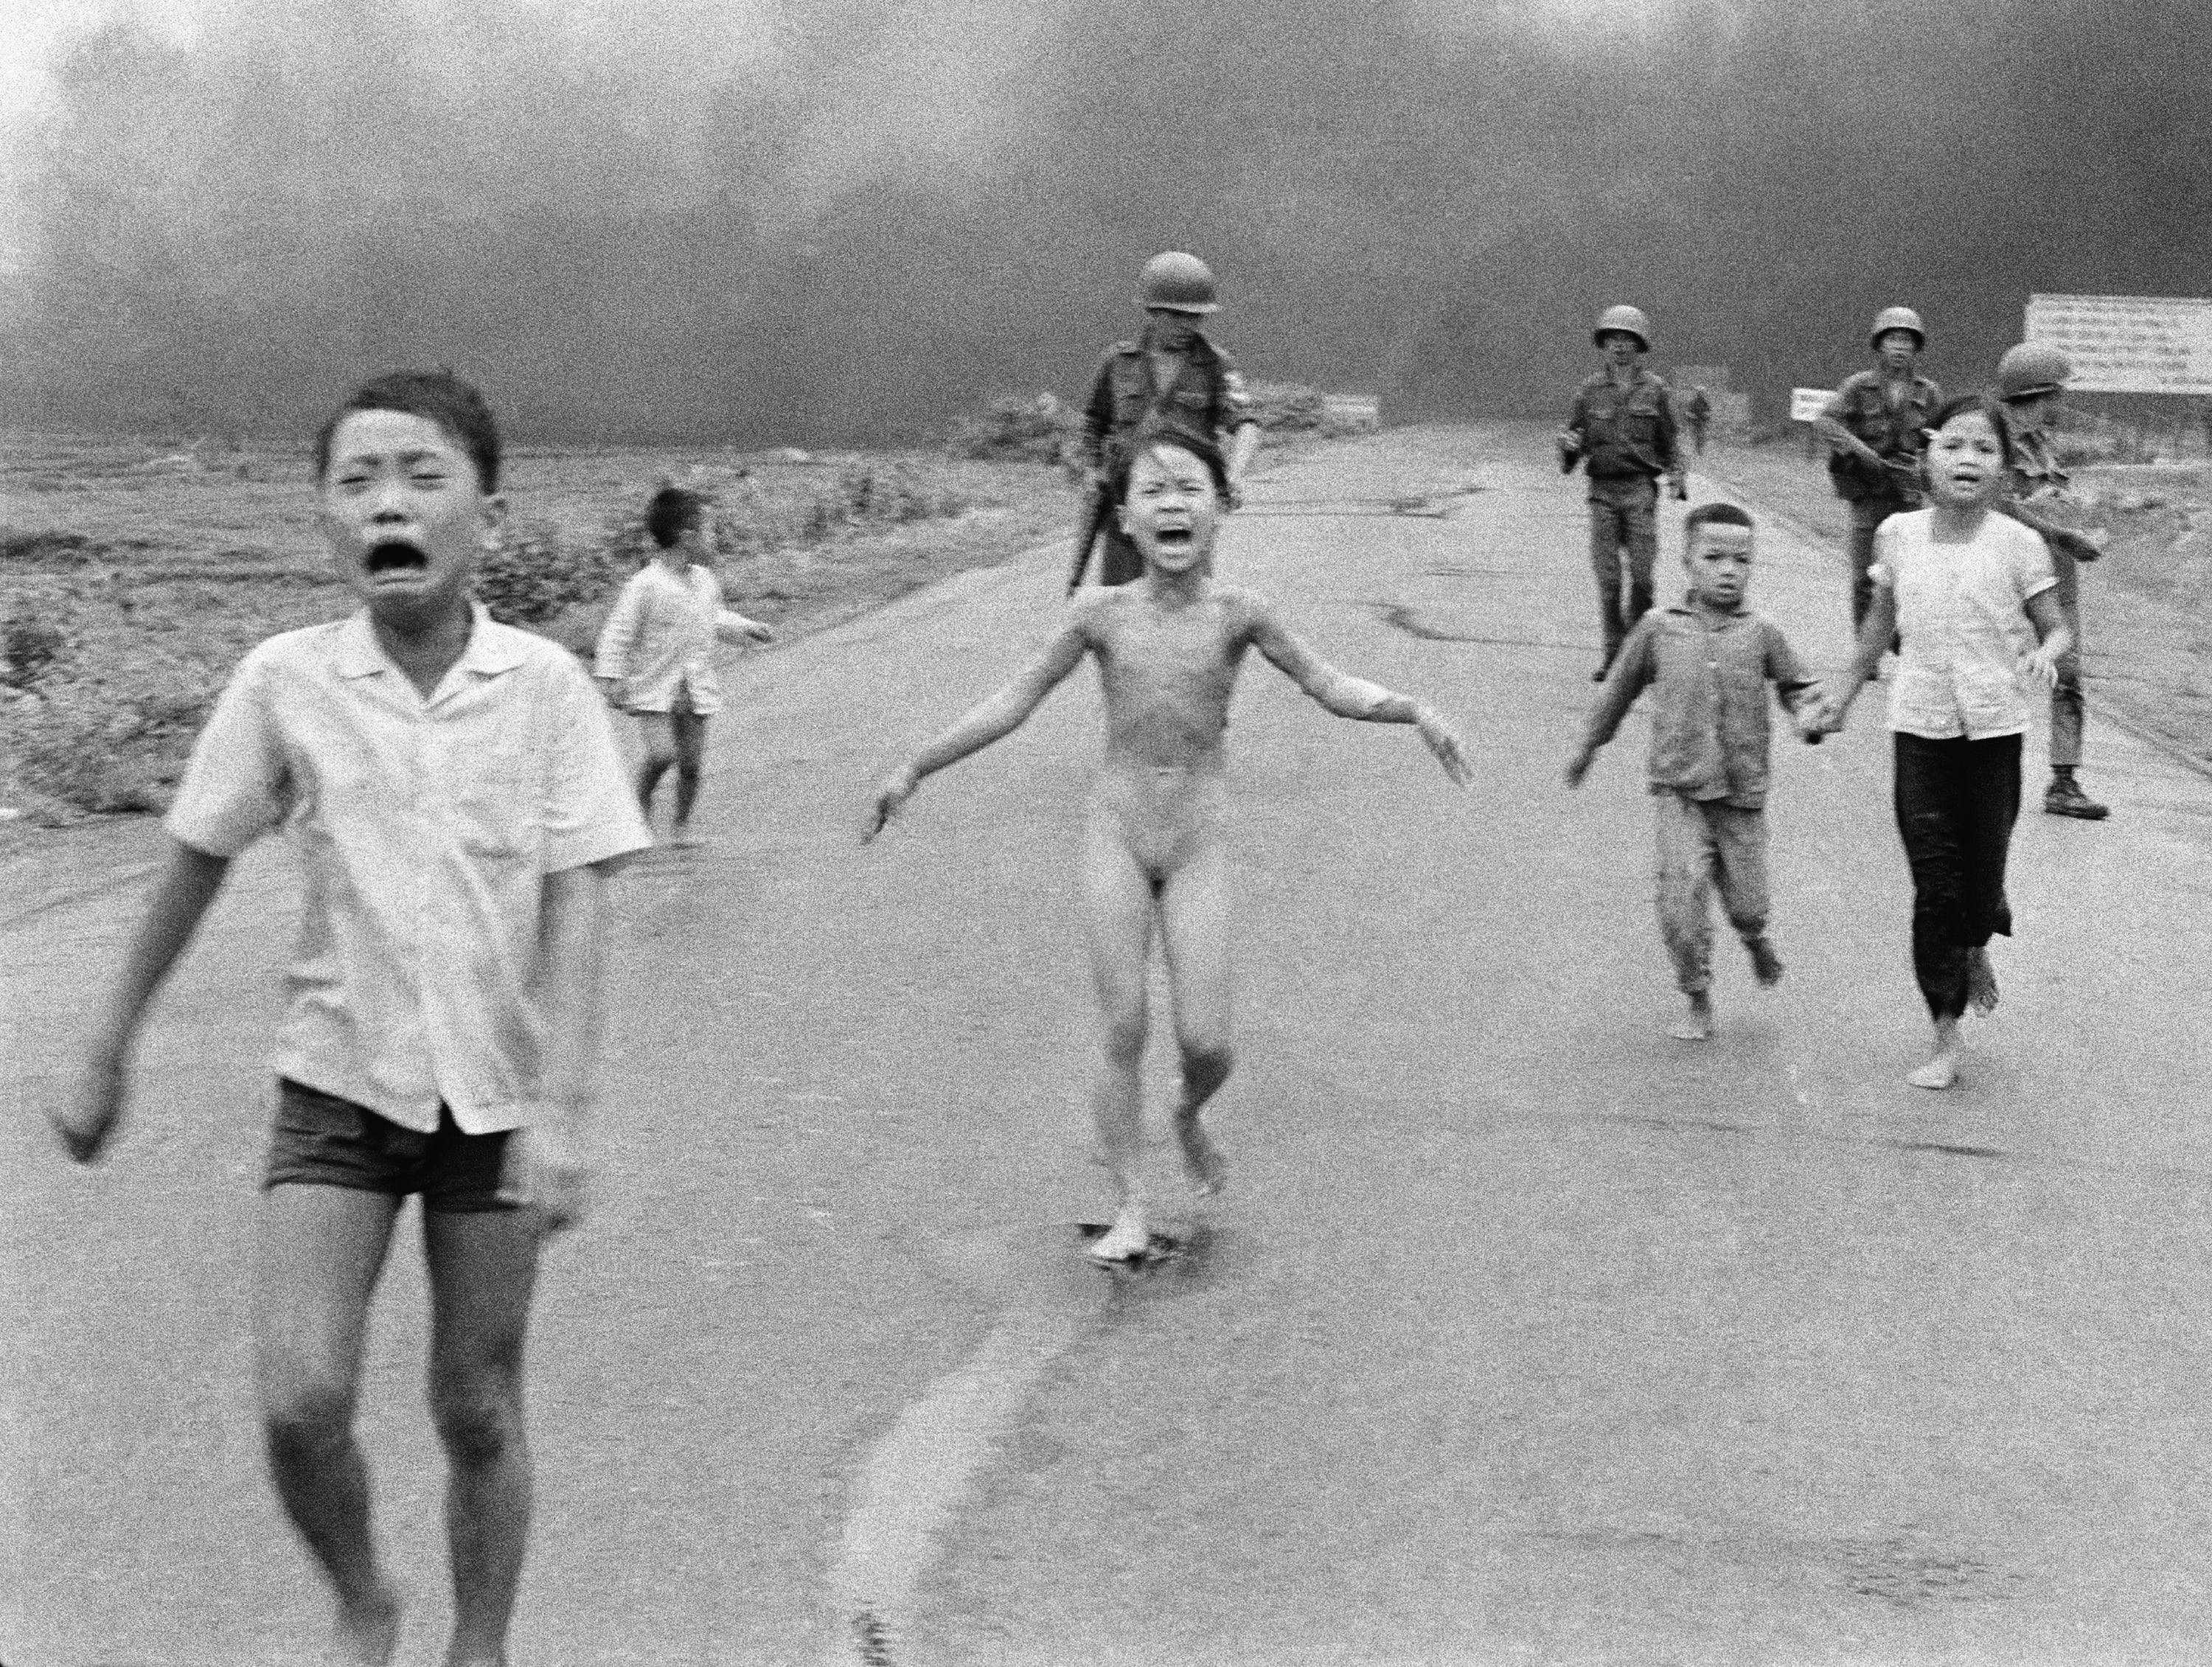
(845, 220)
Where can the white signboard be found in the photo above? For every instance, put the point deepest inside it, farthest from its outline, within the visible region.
(2128, 344)
(1806, 404)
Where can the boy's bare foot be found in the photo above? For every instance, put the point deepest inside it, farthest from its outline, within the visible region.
(1981, 984)
(683, 838)
(1127, 1240)
(1202, 1162)
(1696, 1024)
(367, 1631)
(1765, 965)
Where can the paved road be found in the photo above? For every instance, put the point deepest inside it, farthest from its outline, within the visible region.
(1525, 1335)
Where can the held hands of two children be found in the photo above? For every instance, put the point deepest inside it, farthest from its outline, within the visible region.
(2039, 665)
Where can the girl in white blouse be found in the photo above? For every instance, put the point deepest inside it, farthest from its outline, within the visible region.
(1971, 594)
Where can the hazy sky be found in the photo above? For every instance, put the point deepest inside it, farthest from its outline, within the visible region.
(853, 218)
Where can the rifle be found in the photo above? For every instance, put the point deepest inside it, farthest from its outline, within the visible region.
(1097, 505)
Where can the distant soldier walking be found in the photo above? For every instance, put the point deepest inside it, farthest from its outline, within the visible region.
(2031, 384)
(1875, 428)
(1622, 429)
(1170, 383)
(1699, 408)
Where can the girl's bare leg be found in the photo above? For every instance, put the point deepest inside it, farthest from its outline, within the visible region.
(1119, 896)
(1195, 929)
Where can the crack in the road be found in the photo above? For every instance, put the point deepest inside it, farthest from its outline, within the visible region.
(1399, 616)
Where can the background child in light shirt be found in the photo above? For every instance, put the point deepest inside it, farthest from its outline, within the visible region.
(656, 651)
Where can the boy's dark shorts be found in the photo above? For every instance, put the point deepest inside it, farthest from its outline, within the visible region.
(321, 1141)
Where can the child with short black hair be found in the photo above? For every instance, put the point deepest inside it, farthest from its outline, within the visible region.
(458, 804)
(1168, 647)
(656, 651)
(1710, 659)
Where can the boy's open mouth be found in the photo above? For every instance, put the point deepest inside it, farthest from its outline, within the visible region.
(1173, 537)
(395, 556)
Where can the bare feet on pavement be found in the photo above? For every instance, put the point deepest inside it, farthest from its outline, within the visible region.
(1981, 984)
(1127, 1240)
(367, 1631)
(1696, 1024)
(1941, 1069)
(1203, 1161)
(1765, 965)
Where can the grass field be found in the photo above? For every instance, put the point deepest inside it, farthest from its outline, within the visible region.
(136, 577)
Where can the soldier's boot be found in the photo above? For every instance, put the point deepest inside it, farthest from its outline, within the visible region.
(2064, 797)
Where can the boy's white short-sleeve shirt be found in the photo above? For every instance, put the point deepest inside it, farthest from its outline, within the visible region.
(424, 830)
(1962, 613)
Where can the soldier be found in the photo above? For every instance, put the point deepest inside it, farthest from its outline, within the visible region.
(1699, 408)
(1874, 427)
(1622, 428)
(1172, 380)
(2031, 383)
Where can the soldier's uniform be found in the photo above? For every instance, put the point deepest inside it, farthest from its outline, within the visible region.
(2036, 483)
(1626, 437)
(1864, 407)
(1205, 401)
(1699, 408)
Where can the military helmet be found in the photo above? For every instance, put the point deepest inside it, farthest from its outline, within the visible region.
(2031, 368)
(1897, 318)
(1629, 321)
(1177, 282)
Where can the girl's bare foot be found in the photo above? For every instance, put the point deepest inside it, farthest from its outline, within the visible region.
(1981, 983)
(1203, 1161)
(1696, 1024)
(367, 1631)
(1941, 1069)
(1127, 1240)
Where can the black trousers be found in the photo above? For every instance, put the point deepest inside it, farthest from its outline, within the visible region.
(1956, 804)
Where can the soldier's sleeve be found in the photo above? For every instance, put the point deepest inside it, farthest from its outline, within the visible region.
(1098, 415)
(1830, 424)
(1236, 406)
(1578, 415)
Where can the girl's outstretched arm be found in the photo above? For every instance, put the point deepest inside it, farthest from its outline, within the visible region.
(1355, 697)
(989, 720)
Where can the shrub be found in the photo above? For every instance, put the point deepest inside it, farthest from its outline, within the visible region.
(1294, 408)
(29, 646)
(63, 549)
(1014, 429)
(532, 574)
